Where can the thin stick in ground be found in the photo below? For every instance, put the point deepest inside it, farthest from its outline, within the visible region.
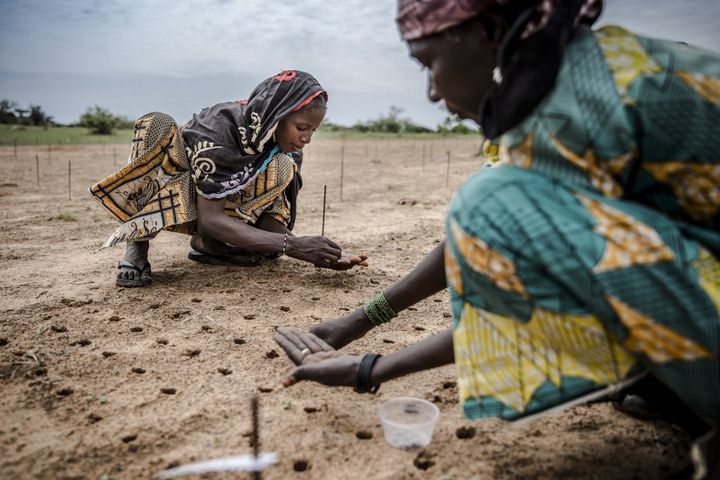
(69, 179)
(37, 169)
(255, 433)
(322, 231)
(447, 172)
(342, 170)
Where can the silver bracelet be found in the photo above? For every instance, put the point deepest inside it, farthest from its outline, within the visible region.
(284, 245)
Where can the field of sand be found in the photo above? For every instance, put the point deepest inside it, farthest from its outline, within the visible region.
(84, 364)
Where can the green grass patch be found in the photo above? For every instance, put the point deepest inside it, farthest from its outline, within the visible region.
(357, 135)
(21, 135)
(67, 217)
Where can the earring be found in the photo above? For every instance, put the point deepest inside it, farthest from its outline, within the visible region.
(497, 75)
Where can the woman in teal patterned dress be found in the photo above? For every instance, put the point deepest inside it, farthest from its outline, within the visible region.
(587, 255)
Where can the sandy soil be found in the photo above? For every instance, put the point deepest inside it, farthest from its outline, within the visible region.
(83, 363)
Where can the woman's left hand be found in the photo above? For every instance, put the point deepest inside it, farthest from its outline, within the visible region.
(317, 360)
(346, 262)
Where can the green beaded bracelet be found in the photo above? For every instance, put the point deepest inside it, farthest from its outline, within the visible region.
(378, 310)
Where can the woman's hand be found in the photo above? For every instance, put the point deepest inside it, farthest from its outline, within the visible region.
(318, 361)
(343, 330)
(346, 262)
(314, 249)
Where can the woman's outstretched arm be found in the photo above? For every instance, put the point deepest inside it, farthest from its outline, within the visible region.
(426, 279)
(318, 362)
(320, 251)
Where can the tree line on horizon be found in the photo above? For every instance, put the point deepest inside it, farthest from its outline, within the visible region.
(101, 121)
(97, 119)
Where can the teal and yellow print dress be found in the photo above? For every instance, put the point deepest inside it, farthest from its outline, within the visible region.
(589, 253)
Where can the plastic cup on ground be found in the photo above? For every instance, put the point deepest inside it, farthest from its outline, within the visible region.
(408, 422)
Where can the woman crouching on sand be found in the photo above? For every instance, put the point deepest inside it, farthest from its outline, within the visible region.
(587, 257)
(243, 160)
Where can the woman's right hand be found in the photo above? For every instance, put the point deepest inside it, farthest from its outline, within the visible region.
(314, 249)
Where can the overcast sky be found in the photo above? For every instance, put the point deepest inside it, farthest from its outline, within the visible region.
(136, 56)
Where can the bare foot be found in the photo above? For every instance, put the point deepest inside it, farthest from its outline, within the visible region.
(210, 246)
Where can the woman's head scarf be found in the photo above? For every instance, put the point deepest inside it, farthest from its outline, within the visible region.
(530, 55)
(229, 144)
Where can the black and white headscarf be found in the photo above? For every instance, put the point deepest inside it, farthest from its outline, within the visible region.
(229, 144)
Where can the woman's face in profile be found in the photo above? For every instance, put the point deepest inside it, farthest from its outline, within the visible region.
(459, 65)
(297, 128)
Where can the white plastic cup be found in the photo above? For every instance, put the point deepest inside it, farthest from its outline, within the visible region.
(408, 422)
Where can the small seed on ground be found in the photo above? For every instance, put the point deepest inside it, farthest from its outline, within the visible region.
(272, 354)
(136, 329)
(168, 391)
(58, 329)
(310, 409)
(424, 460)
(114, 318)
(224, 371)
(129, 438)
(64, 392)
(284, 308)
(265, 389)
(94, 418)
(239, 341)
(301, 465)
(137, 370)
(162, 341)
(364, 435)
(465, 432)
(108, 354)
(249, 316)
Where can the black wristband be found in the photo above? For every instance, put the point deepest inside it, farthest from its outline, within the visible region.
(363, 384)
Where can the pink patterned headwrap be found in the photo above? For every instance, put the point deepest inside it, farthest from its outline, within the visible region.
(420, 18)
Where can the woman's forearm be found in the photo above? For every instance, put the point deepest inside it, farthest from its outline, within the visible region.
(241, 235)
(270, 224)
(432, 352)
(427, 278)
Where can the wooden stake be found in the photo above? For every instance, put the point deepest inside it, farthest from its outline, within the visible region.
(342, 170)
(256, 433)
(447, 172)
(114, 156)
(37, 169)
(322, 232)
(69, 179)
(15, 147)
(424, 148)
(49, 154)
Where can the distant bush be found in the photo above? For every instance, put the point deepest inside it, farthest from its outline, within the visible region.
(11, 113)
(101, 122)
(452, 124)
